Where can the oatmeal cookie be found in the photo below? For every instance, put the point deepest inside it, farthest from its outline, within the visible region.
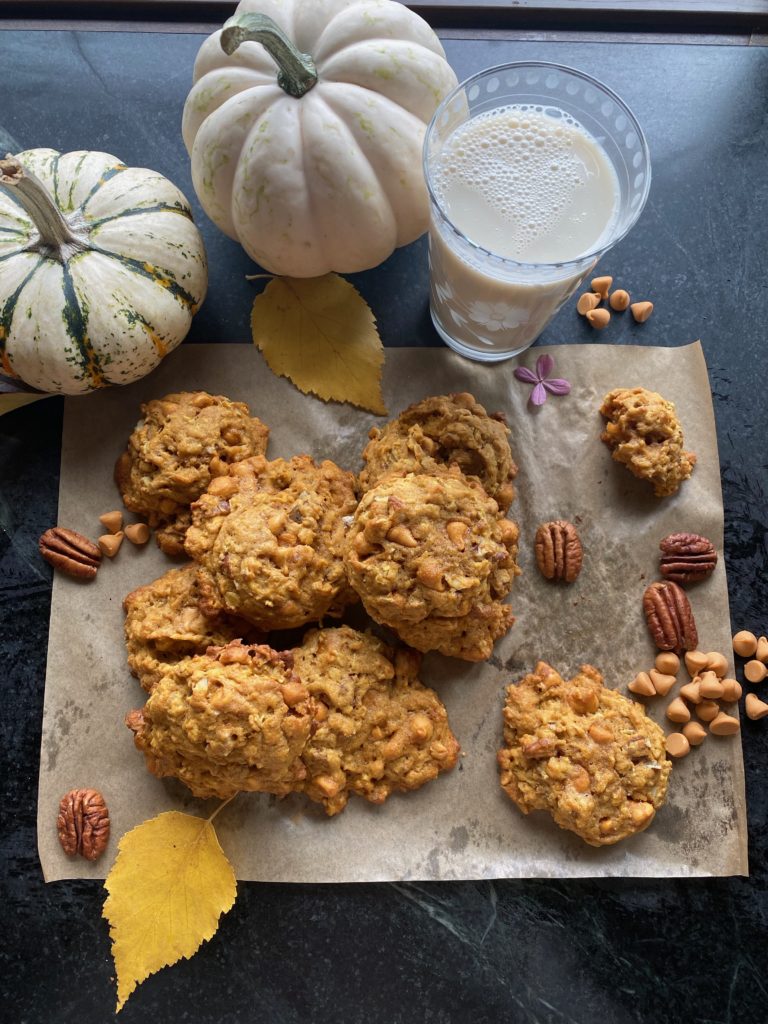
(163, 624)
(432, 559)
(446, 430)
(644, 433)
(268, 540)
(180, 444)
(236, 718)
(377, 729)
(587, 754)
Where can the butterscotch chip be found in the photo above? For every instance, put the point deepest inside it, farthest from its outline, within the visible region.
(755, 707)
(138, 533)
(694, 733)
(175, 450)
(717, 663)
(642, 685)
(678, 712)
(668, 663)
(112, 521)
(436, 595)
(677, 745)
(601, 285)
(745, 643)
(707, 710)
(381, 730)
(109, 543)
(731, 690)
(761, 651)
(439, 432)
(619, 300)
(755, 671)
(641, 311)
(724, 725)
(270, 551)
(695, 662)
(662, 683)
(691, 692)
(644, 434)
(603, 789)
(710, 686)
(587, 301)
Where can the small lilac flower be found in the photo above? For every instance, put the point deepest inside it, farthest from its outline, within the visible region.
(542, 382)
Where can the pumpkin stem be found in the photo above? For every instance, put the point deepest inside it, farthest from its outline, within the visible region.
(297, 73)
(55, 234)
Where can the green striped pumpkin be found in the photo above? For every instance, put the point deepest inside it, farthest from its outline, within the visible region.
(101, 270)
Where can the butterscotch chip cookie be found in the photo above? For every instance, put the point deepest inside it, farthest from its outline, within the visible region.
(233, 719)
(178, 446)
(432, 559)
(446, 430)
(163, 624)
(644, 433)
(268, 540)
(377, 728)
(587, 754)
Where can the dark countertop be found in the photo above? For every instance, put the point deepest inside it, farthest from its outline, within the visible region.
(538, 951)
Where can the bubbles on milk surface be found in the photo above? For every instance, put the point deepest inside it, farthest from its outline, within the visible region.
(527, 185)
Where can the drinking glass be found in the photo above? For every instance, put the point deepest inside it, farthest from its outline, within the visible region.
(487, 306)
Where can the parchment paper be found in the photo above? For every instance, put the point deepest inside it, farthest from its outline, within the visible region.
(461, 826)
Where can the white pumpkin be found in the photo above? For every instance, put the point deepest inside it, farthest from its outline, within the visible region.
(101, 270)
(322, 171)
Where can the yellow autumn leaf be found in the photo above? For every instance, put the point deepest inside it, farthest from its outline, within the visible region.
(321, 334)
(168, 887)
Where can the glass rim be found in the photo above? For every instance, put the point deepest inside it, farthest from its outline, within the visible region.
(496, 69)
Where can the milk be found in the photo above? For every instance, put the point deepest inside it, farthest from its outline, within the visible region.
(518, 187)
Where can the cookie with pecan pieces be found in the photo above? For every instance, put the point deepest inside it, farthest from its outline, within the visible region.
(236, 718)
(431, 558)
(268, 541)
(179, 445)
(377, 728)
(585, 753)
(644, 434)
(445, 430)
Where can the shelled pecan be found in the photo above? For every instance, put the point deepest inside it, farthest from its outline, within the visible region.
(687, 557)
(559, 554)
(70, 552)
(83, 823)
(669, 617)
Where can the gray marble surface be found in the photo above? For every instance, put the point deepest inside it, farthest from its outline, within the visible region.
(538, 951)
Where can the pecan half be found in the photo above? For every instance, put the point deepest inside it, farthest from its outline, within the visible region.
(558, 549)
(70, 552)
(83, 823)
(669, 617)
(687, 557)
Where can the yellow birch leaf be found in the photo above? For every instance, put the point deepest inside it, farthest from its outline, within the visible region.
(168, 887)
(321, 334)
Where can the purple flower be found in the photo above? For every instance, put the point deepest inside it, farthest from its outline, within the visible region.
(542, 382)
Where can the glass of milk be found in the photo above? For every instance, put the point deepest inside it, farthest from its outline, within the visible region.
(534, 171)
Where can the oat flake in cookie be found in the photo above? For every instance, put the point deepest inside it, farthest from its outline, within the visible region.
(446, 430)
(585, 753)
(181, 443)
(268, 541)
(377, 728)
(644, 433)
(431, 558)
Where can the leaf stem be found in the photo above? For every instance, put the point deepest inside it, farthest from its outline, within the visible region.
(222, 806)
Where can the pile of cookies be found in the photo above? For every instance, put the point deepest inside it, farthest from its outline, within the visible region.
(420, 538)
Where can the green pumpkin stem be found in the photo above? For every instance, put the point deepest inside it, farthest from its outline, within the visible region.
(296, 71)
(27, 189)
